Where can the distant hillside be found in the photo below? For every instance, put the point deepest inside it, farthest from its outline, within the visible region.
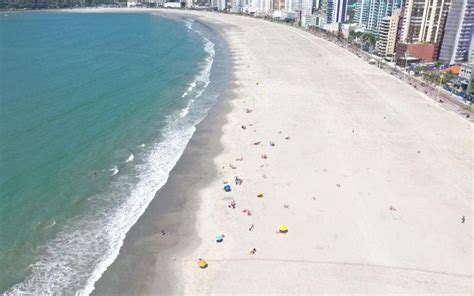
(44, 4)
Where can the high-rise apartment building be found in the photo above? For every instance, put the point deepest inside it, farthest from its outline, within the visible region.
(388, 34)
(278, 4)
(422, 21)
(259, 7)
(307, 7)
(378, 9)
(471, 51)
(341, 11)
(326, 10)
(361, 13)
(334, 10)
(458, 32)
(293, 5)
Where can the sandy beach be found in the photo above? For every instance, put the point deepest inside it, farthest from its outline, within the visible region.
(371, 177)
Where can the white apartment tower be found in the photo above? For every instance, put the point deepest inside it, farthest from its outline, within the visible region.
(388, 34)
(307, 7)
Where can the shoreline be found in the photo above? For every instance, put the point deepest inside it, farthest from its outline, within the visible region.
(373, 144)
(173, 207)
(451, 103)
(362, 168)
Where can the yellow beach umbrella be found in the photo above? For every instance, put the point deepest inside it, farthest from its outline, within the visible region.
(202, 263)
(259, 194)
(283, 228)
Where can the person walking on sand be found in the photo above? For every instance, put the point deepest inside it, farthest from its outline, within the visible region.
(463, 219)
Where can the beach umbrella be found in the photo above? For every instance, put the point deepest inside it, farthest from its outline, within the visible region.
(219, 238)
(227, 188)
(202, 263)
(259, 194)
(283, 228)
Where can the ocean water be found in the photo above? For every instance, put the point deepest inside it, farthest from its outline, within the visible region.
(95, 110)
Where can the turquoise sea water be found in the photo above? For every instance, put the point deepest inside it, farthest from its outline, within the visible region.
(95, 110)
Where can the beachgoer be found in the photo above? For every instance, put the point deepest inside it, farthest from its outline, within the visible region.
(238, 181)
(253, 251)
(163, 232)
(244, 127)
(463, 219)
(251, 227)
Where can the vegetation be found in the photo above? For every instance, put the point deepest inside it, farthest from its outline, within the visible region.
(340, 36)
(438, 77)
(365, 37)
(470, 89)
(44, 4)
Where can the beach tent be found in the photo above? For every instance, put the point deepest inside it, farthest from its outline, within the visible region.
(283, 228)
(259, 194)
(202, 263)
(227, 188)
(219, 238)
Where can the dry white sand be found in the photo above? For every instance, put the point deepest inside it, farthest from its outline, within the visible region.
(360, 142)
(350, 124)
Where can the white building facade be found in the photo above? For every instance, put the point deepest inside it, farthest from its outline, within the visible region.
(388, 34)
(458, 32)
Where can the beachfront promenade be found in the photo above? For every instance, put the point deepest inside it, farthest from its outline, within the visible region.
(375, 176)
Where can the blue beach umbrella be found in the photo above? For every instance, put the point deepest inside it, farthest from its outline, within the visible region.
(219, 238)
(227, 188)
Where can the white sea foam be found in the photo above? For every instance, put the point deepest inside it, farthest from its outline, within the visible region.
(202, 79)
(51, 224)
(130, 158)
(79, 255)
(114, 170)
(189, 25)
(72, 262)
(192, 85)
(141, 145)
